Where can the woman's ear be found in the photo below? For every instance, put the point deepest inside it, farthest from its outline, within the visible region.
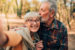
(25, 23)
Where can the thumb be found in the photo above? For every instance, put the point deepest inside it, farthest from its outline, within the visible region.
(1, 26)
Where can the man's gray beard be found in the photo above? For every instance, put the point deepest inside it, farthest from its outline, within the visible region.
(44, 20)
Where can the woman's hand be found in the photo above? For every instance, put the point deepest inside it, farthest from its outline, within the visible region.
(39, 45)
(3, 37)
(1, 26)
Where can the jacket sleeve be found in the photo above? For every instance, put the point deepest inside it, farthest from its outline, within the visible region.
(13, 38)
(64, 40)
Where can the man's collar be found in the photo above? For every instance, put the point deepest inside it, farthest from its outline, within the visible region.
(54, 24)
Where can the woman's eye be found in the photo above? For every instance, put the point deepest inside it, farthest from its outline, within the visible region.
(30, 20)
(38, 20)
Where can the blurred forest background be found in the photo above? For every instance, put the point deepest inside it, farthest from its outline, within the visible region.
(12, 13)
(10, 10)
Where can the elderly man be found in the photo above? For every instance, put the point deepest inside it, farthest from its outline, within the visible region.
(23, 38)
(52, 32)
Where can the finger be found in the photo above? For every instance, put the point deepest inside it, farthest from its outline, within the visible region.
(1, 26)
(39, 48)
(39, 45)
(39, 42)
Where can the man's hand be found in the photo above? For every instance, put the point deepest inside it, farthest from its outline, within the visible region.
(39, 45)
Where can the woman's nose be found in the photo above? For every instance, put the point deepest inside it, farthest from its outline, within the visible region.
(34, 22)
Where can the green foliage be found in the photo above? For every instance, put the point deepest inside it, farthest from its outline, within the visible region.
(19, 12)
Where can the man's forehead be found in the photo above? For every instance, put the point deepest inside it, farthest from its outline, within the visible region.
(45, 5)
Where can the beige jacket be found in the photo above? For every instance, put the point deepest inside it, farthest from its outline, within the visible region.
(15, 38)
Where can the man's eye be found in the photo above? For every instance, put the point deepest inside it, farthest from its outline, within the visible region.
(43, 10)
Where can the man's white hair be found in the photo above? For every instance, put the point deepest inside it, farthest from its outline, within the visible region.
(52, 5)
(31, 15)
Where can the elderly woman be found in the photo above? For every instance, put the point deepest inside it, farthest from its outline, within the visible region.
(23, 38)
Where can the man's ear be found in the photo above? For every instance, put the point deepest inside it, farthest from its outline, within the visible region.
(52, 13)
